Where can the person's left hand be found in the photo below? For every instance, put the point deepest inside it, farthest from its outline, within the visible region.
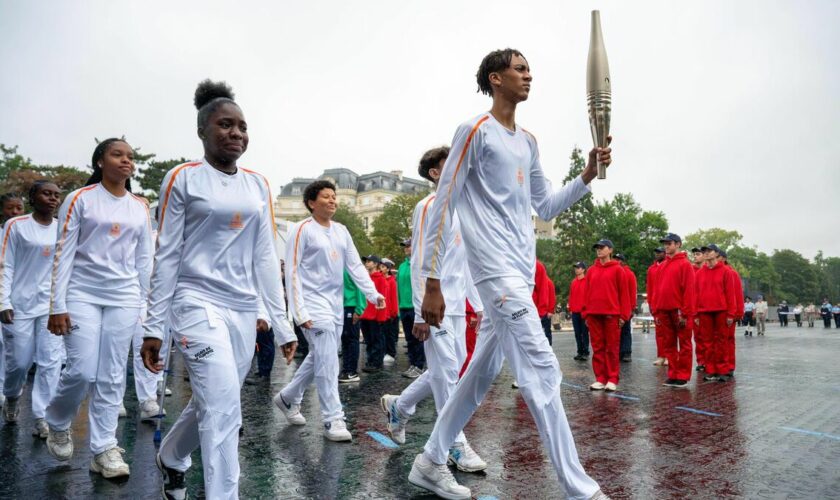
(289, 351)
(596, 155)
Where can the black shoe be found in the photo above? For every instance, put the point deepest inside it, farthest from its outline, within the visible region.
(346, 378)
(578, 358)
(724, 378)
(372, 369)
(710, 378)
(173, 482)
(626, 358)
(672, 382)
(700, 368)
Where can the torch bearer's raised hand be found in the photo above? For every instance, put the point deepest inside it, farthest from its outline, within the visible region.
(596, 155)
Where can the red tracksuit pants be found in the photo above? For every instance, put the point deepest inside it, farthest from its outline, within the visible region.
(660, 338)
(677, 344)
(715, 331)
(702, 339)
(605, 336)
(471, 334)
(730, 340)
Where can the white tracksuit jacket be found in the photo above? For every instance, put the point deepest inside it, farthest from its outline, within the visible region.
(235, 267)
(27, 258)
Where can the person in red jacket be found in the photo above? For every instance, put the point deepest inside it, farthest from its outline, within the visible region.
(391, 328)
(577, 294)
(675, 305)
(544, 298)
(715, 311)
(606, 309)
(650, 280)
(738, 298)
(373, 319)
(701, 344)
(625, 350)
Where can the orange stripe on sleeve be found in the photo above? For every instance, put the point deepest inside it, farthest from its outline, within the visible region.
(59, 244)
(169, 190)
(270, 200)
(294, 268)
(451, 184)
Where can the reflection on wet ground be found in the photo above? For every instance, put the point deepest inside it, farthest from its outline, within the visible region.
(773, 433)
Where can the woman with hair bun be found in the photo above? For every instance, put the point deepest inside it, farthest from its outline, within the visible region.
(100, 277)
(26, 259)
(216, 260)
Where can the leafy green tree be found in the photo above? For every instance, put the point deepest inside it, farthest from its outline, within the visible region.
(394, 225)
(757, 269)
(355, 227)
(828, 275)
(151, 175)
(723, 238)
(798, 280)
(575, 227)
(17, 173)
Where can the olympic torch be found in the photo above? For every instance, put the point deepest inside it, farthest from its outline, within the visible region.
(598, 91)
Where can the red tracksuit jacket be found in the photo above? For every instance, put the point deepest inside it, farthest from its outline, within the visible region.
(543, 296)
(606, 290)
(737, 291)
(632, 287)
(674, 286)
(371, 312)
(714, 290)
(577, 294)
(393, 304)
(650, 284)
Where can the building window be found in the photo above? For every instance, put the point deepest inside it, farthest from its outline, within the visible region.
(366, 223)
(296, 190)
(386, 184)
(366, 201)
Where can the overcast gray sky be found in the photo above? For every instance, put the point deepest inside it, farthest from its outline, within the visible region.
(724, 113)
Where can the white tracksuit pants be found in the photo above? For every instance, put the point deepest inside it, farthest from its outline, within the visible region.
(97, 353)
(511, 329)
(320, 366)
(146, 382)
(444, 365)
(28, 340)
(218, 346)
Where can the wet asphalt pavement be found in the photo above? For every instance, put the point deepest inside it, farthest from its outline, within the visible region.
(774, 432)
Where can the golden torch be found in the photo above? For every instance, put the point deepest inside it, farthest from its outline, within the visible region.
(598, 92)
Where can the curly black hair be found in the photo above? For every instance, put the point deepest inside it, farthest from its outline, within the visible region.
(209, 95)
(98, 152)
(431, 159)
(313, 190)
(496, 61)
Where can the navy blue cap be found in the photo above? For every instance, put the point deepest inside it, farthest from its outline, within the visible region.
(722, 253)
(712, 246)
(372, 258)
(658, 250)
(619, 256)
(671, 237)
(603, 243)
(406, 242)
(696, 250)
(580, 264)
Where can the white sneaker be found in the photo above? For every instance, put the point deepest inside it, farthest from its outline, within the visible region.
(149, 410)
(659, 362)
(514, 385)
(166, 392)
(597, 386)
(60, 444)
(11, 410)
(388, 360)
(292, 412)
(599, 495)
(412, 372)
(610, 387)
(437, 478)
(337, 431)
(396, 422)
(462, 456)
(41, 429)
(110, 463)
(122, 413)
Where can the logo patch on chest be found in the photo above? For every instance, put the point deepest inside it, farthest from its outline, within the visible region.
(236, 221)
(458, 239)
(520, 176)
(333, 255)
(115, 230)
(47, 251)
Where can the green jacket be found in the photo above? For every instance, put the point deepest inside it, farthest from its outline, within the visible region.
(353, 297)
(404, 285)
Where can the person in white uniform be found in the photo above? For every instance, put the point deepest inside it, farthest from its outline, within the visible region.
(445, 346)
(216, 260)
(493, 178)
(11, 205)
(317, 253)
(26, 259)
(103, 258)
